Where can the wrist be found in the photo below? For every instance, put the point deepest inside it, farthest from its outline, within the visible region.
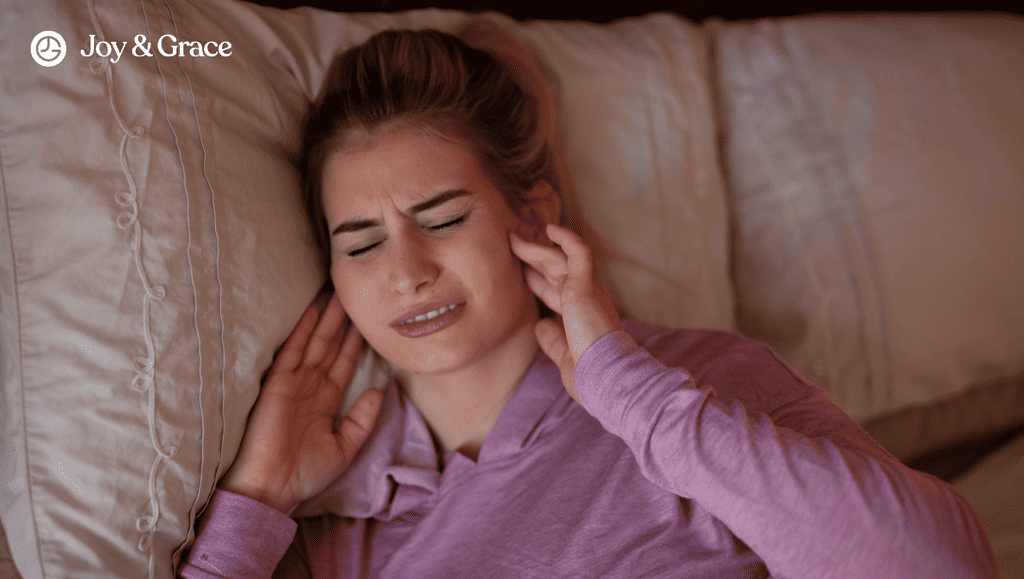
(275, 500)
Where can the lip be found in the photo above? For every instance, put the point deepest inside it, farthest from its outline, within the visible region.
(437, 323)
(425, 308)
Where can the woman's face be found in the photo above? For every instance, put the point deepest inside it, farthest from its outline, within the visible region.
(420, 255)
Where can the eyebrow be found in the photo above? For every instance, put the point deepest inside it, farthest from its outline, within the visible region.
(425, 205)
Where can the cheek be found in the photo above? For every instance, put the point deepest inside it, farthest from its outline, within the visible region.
(356, 297)
(494, 261)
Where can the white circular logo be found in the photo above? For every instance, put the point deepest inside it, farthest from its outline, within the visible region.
(49, 48)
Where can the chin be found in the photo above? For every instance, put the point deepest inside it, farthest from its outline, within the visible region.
(436, 361)
(443, 358)
(433, 363)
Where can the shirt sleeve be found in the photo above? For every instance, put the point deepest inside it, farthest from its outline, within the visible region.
(238, 538)
(802, 485)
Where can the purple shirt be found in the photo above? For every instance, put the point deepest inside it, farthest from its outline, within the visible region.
(694, 454)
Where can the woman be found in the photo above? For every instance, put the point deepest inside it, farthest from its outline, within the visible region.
(515, 446)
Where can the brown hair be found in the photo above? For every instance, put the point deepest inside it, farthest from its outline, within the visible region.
(435, 82)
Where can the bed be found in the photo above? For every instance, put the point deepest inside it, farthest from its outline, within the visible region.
(846, 187)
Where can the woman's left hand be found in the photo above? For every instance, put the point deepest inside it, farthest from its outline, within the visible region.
(563, 278)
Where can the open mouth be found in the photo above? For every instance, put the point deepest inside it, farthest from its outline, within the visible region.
(430, 322)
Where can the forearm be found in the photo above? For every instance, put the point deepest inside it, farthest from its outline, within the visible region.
(810, 506)
(238, 538)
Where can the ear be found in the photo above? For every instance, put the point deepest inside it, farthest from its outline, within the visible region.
(542, 206)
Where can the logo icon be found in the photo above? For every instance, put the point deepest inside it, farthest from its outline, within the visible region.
(49, 48)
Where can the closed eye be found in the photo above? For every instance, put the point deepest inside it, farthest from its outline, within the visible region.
(440, 227)
(361, 250)
(448, 224)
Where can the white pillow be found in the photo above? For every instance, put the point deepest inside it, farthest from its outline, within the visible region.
(154, 253)
(875, 165)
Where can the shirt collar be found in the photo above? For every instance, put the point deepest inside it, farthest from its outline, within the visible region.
(400, 450)
(538, 397)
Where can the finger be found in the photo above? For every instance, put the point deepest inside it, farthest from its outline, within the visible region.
(291, 352)
(319, 346)
(578, 254)
(348, 356)
(544, 290)
(336, 343)
(550, 261)
(551, 338)
(358, 423)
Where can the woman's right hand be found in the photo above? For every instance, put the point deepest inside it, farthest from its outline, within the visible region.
(290, 450)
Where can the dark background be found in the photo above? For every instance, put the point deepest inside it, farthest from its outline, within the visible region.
(696, 10)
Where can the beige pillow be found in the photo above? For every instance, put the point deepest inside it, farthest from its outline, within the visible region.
(152, 255)
(875, 164)
(640, 144)
(153, 250)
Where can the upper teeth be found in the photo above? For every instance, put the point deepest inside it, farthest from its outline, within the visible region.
(431, 315)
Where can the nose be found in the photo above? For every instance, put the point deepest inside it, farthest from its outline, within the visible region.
(412, 264)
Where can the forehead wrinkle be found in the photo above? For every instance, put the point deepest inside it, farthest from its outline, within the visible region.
(400, 177)
(422, 204)
(363, 220)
